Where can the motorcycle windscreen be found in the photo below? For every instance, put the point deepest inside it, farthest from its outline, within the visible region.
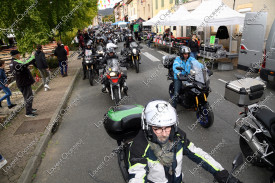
(113, 64)
(133, 45)
(201, 74)
(88, 54)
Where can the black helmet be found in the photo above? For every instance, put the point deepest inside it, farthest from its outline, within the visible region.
(183, 50)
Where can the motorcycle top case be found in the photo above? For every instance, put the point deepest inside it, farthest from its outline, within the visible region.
(244, 92)
(168, 61)
(123, 122)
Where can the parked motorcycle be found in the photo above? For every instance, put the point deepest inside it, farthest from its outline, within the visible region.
(116, 76)
(194, 92)
(256, 126)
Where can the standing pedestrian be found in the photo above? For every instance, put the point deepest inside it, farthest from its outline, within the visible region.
(81, 43)
(42, 66)
(61, 54)
(149, 39)
(4, 86)
(194, 46)
(24, 80)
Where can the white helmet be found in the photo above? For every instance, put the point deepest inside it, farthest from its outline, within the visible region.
(159, 113)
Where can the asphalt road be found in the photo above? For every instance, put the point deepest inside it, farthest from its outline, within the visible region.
(81, 144)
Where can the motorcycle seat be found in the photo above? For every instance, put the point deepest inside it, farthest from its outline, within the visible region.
(267, 118)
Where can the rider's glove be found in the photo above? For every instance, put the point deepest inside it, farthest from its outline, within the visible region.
(222, 176)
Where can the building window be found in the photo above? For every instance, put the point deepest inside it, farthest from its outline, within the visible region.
(162, 3)
(149, 8)
(171, 1)
(157, 4)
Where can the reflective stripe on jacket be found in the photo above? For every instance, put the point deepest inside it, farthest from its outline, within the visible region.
(145, 167)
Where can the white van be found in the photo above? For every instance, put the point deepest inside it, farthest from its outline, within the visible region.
(252, 52)
(267, 72)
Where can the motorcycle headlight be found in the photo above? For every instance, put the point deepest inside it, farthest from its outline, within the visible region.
(134, 51)
(112, 74)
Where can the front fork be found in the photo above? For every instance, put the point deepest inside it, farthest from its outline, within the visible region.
(112, 93)
(197, 101)
(133, 59)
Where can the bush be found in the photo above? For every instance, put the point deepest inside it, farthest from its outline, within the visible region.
(52, 62)
(35, 71)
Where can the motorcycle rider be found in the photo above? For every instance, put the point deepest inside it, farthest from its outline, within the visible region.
(183, 60)
(127, 43)
(88, 47)
(109, 39)
(156, 153)
(110, 54)
(129, 40)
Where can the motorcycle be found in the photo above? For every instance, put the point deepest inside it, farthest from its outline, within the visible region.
(90, 62)
(125, 129)
(194, 92)
(256, 126)
(116, 76)
(133, 55)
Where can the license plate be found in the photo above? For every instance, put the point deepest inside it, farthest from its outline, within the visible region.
(100, 57)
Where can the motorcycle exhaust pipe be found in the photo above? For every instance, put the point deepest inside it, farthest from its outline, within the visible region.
(253, 141)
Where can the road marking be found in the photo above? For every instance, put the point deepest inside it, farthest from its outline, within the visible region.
(151, 57)
(163, 53)
(222, 80)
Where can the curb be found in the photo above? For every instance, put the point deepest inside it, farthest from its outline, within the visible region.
(35, 160)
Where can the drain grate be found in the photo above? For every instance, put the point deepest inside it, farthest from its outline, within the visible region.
(32, 126)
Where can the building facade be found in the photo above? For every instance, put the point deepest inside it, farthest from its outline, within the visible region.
(145, 9)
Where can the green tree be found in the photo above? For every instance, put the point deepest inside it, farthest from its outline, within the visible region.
(38, 21)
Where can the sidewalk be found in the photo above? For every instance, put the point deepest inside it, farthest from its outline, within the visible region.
(22, 135)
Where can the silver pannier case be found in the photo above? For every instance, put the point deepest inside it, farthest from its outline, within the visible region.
(244, 92)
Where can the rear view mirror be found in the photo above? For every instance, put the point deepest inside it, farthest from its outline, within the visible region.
(210, 73)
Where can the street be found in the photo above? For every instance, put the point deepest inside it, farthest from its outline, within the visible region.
(81, 145)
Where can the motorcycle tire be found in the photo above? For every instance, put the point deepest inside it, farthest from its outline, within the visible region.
(123, 164)
(91, 77)
(137, 65)
(116, 95)
(248, 152)
(205, 116)
(171, 90)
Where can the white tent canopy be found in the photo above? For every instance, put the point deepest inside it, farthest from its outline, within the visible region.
(212, 13)
(156, 20)
(175, 18)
